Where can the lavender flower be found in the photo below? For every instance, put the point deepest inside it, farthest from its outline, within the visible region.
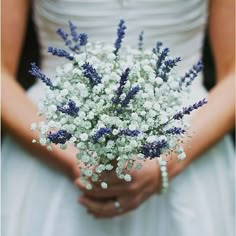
(158, 48)
(188, 110)
(83, 39)
(120, 36)
(59, 137)
(152, 150)
(91, 74)
(64, 36)
(60, 53)
(167, 66)
(140, 42)
(189, 77)
(175, 130)
(100, 133)
(132, 92)
(78, 39)
(123, 80)
(70, 109)
(35, 71)
(131, 133)
(161, 59)
(73, 32)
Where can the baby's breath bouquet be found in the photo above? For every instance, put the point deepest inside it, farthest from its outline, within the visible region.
(115, 104)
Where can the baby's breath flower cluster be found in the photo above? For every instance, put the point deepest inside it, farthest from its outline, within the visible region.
(115, 104)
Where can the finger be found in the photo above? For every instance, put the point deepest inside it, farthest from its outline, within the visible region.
(107, 208)
(98, 192)
(97, 206)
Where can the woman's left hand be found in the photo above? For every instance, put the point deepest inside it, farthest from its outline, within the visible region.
(122, 197)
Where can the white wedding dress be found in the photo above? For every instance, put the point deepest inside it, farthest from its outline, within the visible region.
(39, 201)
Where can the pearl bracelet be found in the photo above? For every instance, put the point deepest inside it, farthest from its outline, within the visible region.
(164, 175)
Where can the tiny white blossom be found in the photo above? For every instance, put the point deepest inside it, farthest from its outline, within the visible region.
(182, 156)
(104, 185)
(33, 126)
(127, 178)
(84, 137)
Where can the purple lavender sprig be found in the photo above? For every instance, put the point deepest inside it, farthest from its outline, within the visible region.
(59, 137)
(60, 53)
(83, 39)
(140, 41)
(100, 133)
(175, 131)
(160, 61)
(188, 110)
(131, 133)
(35, 71)
(90, 73)
(158, 48)
(120, 36)
(77, 40)
(132, 92)
(189, 77)
(167, 66)
(123, 80)
(152, 150)
(71, 109)
(73, 32)
(64, 36)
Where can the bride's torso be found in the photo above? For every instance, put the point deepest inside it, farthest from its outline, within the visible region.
(179, 24)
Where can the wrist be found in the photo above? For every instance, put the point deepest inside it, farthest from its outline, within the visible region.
(175, 167)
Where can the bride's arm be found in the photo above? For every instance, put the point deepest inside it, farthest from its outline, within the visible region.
(211, 123)
(217, 118)
(18, 112)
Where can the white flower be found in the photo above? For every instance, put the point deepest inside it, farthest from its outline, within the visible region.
(109, 167)
(159, 80)
(148, 105)
(33, 126)
(90, 115)
(77, 71)
(144, 127)
(72, 140)
(152, 139)
(87, 125)
(88, 186)
(127, 178)
(49, 148)
(115, 131)
(84, 137)
(68, 67)
(43, 141)
(104, 185)
(64, 92)
(34, 141)
(132, 127)
(182, 156)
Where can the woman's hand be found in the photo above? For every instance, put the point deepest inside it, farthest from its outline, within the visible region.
(130, 195)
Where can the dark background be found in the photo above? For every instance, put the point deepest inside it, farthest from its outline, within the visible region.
(30, 53)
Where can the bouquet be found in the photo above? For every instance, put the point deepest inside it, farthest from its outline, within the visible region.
(115, 104)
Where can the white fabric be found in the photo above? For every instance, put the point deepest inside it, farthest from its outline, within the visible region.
(39, 201)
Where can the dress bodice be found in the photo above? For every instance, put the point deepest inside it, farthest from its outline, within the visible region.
(179, 24)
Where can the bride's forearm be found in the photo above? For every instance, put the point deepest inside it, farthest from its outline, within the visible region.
(18, 112)
(209, 124)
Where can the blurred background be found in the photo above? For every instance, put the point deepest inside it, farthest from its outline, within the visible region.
(30, 53)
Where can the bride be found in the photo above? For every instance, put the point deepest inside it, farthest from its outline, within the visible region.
(41, 191)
